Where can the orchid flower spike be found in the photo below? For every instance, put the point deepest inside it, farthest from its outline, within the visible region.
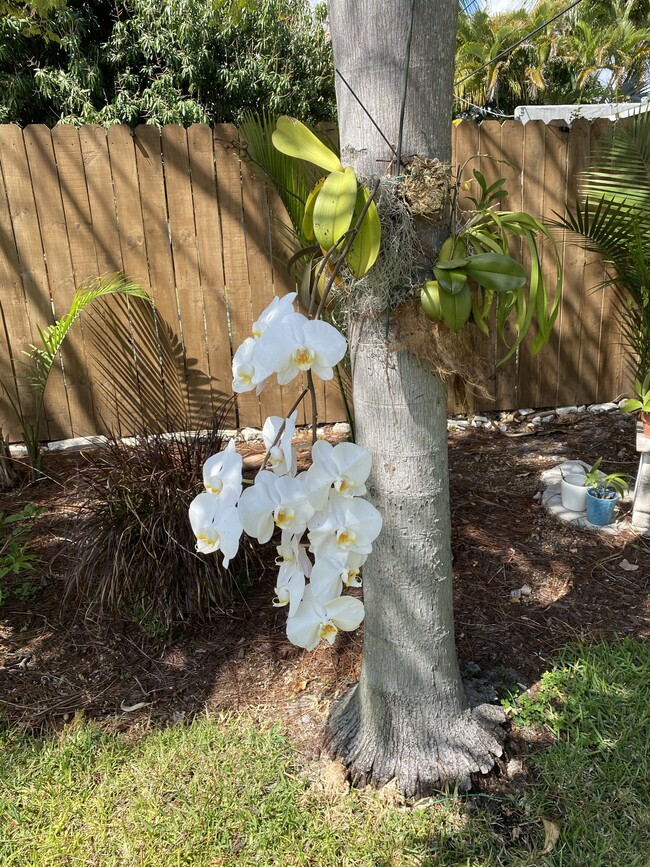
(297, 343)
(275, 501)
(315, 621)
(341, 469)
(282, 457)
(222, 475)
(216, 526)
(346, 526)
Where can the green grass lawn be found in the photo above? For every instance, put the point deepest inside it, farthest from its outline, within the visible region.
(223, 792)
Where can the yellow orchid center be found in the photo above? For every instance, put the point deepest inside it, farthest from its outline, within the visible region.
(286, 556)
(214, 487)
(345, 537)
(245, 378)
(284, 517)
(327, 631)
(207, 536)
(256, 333)
(303, 357)
(342, 485)
(351, 576)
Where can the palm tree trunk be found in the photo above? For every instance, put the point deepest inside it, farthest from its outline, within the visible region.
(408, 718)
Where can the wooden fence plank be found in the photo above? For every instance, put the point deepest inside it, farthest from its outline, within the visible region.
(178, 185)
(101, 199)
(210, 253)
(556, 146)
(260, 278)
(148, 148)
(238, 290)
(577, 333)
(615, 368)
(76, 206)
(16, 331)
(33, 307)
(533, 180)
(67, 414)
(511, 169)
(128, 204)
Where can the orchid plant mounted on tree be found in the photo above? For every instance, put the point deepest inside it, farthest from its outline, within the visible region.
(324, 503)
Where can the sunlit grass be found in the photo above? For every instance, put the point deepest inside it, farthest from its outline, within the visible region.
(225, 791)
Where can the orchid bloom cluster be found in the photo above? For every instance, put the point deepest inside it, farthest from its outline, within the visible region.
(326, 527)
(285, 342)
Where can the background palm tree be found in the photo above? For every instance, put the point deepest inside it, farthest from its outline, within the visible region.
(593, 52)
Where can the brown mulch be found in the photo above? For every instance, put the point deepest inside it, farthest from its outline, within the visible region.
(57, 661)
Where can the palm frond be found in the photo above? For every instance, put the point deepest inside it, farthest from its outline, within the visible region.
(620, 172)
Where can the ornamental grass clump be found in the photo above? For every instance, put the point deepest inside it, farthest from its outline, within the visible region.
(135, 549)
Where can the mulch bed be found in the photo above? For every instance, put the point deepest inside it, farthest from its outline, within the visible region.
(57, 661)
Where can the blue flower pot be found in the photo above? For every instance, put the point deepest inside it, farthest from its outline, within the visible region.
(600, 511)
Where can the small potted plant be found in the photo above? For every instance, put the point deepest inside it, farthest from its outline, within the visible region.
(603, 492)
(642, 402)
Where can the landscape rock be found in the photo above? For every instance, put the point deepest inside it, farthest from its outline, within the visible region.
(602, 407)
(250, 434)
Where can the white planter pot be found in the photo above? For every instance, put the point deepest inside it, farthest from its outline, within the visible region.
(574, 493)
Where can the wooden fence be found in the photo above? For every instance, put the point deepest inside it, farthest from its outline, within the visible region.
(178, 212)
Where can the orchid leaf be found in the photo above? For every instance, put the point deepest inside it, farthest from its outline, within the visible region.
(293, 138)
(334, 207)
(363, 253)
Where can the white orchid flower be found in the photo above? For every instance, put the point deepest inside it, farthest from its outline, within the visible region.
(346, 526)
(295, 566)
(222, 475)
(275, 501)
(342, 469)
(315, 621)
(282, 457)
(329, 575)
(297, 343)
(277, 310)
(247, 372)
(216, 525)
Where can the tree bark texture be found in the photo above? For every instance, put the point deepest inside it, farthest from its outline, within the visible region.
(369, 39)
(408, 719)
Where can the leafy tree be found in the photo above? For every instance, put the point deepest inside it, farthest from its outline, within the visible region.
(183, 61)
(594, 52)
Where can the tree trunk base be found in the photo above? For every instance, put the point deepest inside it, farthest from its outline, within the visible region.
(423, 752)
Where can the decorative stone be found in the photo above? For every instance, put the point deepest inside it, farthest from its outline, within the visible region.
(602, 407)
(565, 410)
(250, 434)
(341, 427)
